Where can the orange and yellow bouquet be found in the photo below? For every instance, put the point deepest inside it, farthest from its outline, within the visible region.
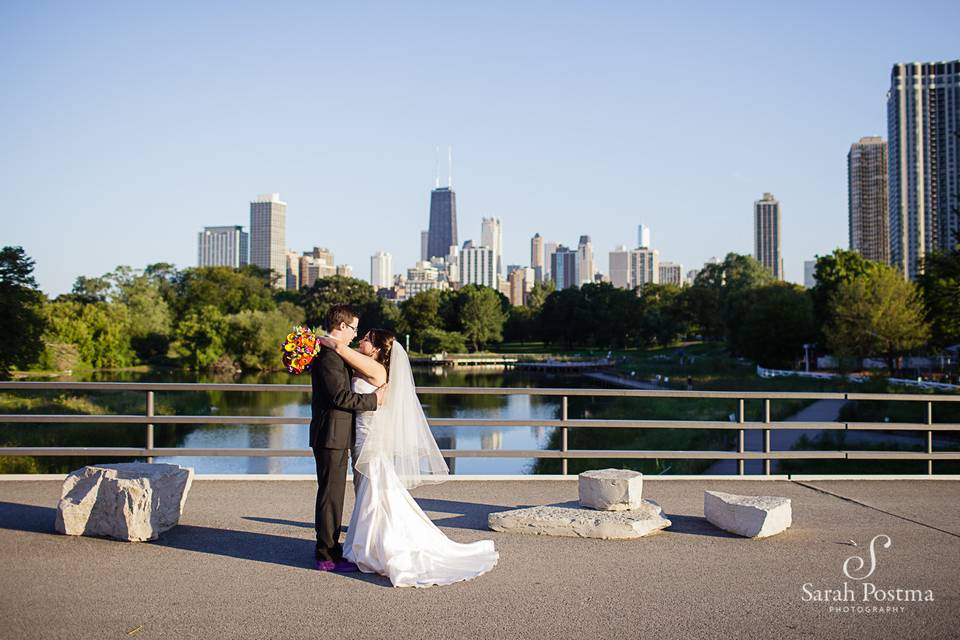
(299, 349)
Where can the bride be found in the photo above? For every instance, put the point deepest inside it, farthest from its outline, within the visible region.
(394, 451)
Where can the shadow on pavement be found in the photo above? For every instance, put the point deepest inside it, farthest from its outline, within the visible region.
(27, 517)
(695, 525)
(469, 515)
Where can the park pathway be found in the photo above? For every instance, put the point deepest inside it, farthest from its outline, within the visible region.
(780, 439)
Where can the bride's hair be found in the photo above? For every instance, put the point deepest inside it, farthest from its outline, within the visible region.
(383, 339)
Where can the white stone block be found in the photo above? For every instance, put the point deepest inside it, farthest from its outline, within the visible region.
(130, 501)
(749, 516)
(611, 489)
(645, 520)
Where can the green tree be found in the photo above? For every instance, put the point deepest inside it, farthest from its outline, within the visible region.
(940, 285)
(228, 290)
(419, 315)
(661, 319)
(151, 322)
(876, 313)
(253, 338)
(716, 283)
(770, 324)
(317, 299)
(440, 341)
(482, 316)
(200, 336)
(841, 266)
(21, 318)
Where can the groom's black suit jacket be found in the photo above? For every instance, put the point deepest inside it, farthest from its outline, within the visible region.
(334, 402)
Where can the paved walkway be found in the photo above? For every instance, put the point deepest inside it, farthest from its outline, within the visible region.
(238, 566)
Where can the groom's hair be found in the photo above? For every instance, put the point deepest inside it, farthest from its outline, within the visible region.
(340, 313)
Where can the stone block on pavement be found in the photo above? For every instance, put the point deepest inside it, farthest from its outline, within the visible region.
(570, 521)
(129, 501)
(749, 516)
(611, 489)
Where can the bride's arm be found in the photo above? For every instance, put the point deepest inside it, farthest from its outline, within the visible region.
(366, 366)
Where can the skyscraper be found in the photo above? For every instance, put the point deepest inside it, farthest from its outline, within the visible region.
(491, 235)
(867, 198)
(766, 234)
(222, 247)
(671, 273)
(537, 257)
(424, 246)
(643, 236)
(268, 236)
(443, 222)
(549, 248)
(644, 267)
(620, 267)
(381, 270)
(564, 265)
(923, 130)
(477, 266)
(585, 260)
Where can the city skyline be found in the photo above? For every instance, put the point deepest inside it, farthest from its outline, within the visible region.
(155, 122)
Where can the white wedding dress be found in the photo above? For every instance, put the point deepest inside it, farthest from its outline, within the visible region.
(389, 534)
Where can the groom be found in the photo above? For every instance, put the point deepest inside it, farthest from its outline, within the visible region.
(331, 434)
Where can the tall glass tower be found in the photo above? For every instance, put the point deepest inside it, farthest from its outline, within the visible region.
(443, 222)
(923, 133)
(268, 236)
(766, 234)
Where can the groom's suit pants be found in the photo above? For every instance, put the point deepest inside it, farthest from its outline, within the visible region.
(332, 479)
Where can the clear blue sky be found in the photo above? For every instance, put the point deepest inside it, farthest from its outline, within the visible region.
(126, 128)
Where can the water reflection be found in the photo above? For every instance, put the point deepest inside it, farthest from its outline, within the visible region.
(295, 436)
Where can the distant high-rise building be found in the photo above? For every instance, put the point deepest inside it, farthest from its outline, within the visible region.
(620, 267)
(923, 130)
(477, 265)
(643, 236)
(345, 270)
(316, 264)
(549, 248)
(268, 235)
(518, 292)
(585, 260)
(766, 234)
(381, 270)
(292, 264)
(491, 235)
(692, 276)
(537, 257)
(644, 267)
(809, 269)
(443, 222)
(424, 246)
(222, 247)
(869, 217)
(564, 265)
(423, 277)
(671, 273)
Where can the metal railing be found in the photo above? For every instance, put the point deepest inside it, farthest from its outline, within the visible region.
(149, 419)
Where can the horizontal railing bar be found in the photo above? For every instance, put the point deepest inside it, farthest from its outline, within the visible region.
(465, 391)
(903, 455)
(902, 426)
(910, 397)
(27, 418)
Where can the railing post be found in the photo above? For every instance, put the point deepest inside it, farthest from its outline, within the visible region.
(563, 432)
(741, 446)
(930, 437)
(150, 425)
(766, 435)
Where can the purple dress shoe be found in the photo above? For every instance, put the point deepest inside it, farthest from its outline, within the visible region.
(325, 565)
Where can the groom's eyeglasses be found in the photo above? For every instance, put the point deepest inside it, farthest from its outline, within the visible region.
(354, 328)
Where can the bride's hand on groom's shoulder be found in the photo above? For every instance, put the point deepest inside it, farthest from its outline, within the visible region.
(328, 342)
